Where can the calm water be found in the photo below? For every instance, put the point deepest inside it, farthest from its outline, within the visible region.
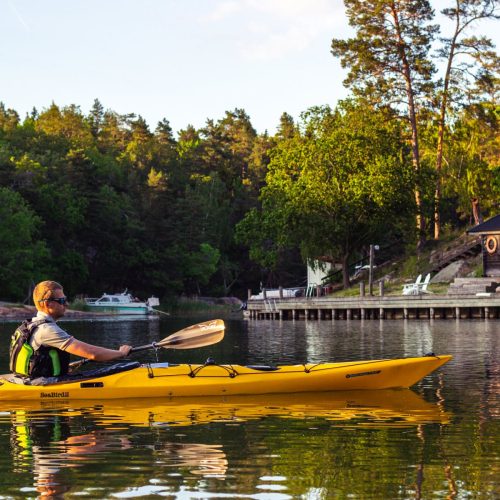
(438, 440)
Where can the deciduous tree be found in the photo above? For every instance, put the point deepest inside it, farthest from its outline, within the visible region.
(333, 188)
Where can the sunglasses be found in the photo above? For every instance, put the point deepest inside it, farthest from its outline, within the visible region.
(61, 300)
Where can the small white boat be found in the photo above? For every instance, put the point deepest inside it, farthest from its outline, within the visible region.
(287, 293)
(121, 303)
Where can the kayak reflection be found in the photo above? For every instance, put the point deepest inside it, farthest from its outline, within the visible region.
(384, 408)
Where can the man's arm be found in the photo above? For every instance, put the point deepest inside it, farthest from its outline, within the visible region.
(96, 353)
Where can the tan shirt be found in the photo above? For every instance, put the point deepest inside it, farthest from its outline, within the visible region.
(49, 334)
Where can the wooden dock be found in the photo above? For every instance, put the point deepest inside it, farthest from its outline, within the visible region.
(386, 307)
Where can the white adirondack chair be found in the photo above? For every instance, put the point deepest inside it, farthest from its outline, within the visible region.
(422, 288)
(412, 288)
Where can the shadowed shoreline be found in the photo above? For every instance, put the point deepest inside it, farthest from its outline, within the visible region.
(20, 312)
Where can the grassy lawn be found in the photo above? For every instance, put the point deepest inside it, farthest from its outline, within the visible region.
(391, 288)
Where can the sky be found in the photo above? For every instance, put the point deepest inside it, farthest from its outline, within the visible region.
(183, 60)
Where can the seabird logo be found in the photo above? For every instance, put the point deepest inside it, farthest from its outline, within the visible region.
(54, 395)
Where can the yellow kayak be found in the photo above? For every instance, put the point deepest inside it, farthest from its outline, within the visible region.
(162, 380)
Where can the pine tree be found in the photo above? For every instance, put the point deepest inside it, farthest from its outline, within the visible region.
(389, 65)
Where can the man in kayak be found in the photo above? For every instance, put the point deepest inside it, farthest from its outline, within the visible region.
(42, 348)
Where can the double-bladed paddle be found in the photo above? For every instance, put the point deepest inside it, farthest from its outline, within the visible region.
(191, 337)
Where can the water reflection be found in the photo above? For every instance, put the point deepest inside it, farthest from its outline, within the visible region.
(383, 408)
(207, 460)
(316, 341)
(438, 440)
(49, 439)
(424, 342)
(121, 329)
(49, 443)
(47, 446)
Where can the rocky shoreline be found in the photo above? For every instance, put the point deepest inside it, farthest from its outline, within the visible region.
(21, 312)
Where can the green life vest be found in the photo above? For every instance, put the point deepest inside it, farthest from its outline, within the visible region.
(26, 362)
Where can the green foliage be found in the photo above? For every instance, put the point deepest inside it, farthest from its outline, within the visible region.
(410, 267)
(391, 46)
(121, 206)
(23, 256)
(184, 306)
(331, 189)
(102, 203)
(200, 265)
(471, 169)
(390, 63)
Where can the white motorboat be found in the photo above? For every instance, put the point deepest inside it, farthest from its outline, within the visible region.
(121, 303)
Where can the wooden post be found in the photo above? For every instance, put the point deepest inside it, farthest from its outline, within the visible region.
(361, 288)
(318, 290)
(381, 288)
(334, 313)
(281, 292)
(432, 314)
(362, 313)
(348, 314)
(486, 313)
(381, 313)
(457, 312)
(370, 272)
(405, 313)
(264, 294)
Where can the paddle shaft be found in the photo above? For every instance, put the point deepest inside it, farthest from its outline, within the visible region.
(77, 364)
(194, 336)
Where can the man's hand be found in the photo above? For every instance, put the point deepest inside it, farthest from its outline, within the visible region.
(125, 350)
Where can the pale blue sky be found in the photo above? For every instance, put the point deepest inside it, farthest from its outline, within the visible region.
(183, 60)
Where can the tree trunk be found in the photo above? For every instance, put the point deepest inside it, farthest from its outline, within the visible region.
(420, 219)
(441, 127)
(476, 211)
(439, 164)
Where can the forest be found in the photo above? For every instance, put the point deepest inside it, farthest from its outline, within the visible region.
(102, 202)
